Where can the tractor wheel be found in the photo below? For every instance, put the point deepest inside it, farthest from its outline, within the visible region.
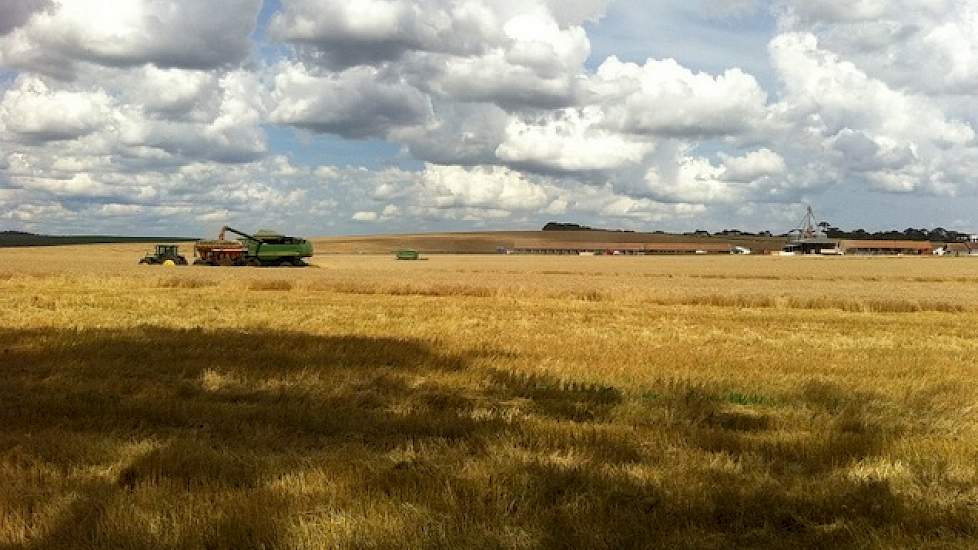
(253, 262)
(144, 261)
(297, 262)
(285, 263)
(180, 260)
(200, 261)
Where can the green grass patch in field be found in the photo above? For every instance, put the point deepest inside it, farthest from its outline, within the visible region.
(749, 399)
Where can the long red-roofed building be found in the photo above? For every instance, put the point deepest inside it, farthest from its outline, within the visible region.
(885, 248)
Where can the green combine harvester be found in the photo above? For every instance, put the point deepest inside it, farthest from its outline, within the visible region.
(264, 248)
(408, 254)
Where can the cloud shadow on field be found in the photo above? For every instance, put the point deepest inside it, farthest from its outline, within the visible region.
(155, 437)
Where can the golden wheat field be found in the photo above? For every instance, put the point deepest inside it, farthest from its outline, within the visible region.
(488, 402)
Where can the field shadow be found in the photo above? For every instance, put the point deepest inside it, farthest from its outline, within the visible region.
(156, 437)
(227, 414)
(559, 399)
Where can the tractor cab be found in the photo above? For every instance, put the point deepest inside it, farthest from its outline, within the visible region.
(167, 250)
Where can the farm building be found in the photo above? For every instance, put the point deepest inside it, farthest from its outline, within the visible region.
(689, 248)
(813, 245)
(962, 249)
(885, 248)
(627, 249)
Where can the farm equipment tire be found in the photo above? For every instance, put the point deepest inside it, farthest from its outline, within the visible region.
(202, 262)
(297, 262)
(253, 262)
(180, 260)
(285, 263)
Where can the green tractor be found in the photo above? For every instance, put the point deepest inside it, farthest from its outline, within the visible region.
(163, 253)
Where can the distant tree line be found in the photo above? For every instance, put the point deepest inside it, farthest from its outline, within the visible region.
(938, 234)
(23, 238)
(557, 226)
(910, 234)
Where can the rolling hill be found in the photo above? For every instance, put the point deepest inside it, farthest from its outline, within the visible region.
(490, 242)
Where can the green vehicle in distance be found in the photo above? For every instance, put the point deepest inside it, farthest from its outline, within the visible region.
(407, 254)
(163, 253)
(264, 248)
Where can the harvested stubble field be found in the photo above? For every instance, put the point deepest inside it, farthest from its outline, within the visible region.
(488, 401)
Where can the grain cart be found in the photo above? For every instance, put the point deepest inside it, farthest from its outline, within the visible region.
(264, 248)
(163, 253)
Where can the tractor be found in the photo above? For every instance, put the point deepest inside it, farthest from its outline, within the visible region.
(264, 248)
(163, 253)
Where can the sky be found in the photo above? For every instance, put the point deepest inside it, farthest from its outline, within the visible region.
(322, 117)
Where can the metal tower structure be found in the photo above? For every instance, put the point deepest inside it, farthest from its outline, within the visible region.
(809, 228)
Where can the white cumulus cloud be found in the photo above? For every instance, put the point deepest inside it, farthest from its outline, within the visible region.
(357, 102)
(166, 33)
(570, 141)
(662, 97)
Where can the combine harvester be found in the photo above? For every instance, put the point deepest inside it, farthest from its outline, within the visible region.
(408, 255)
(264, 248)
